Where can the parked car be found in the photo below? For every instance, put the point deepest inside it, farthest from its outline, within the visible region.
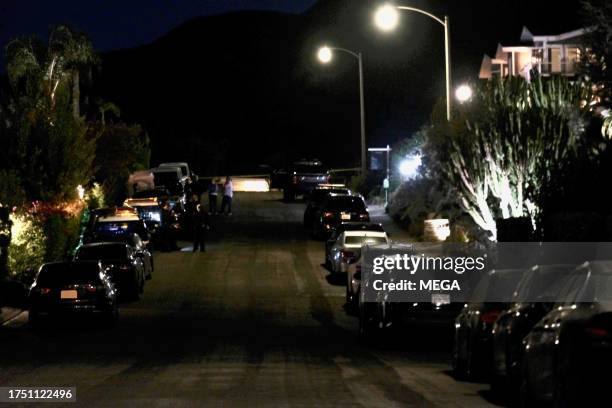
(302, 178)
(347, 247)
(472, 347)
(184, 167)
(122, 263)
(568, 354)
(347, 226)
(338, 209)
(534, 297)
(317, 198)
(62, 288)
(137, 246)
(113, 223)
(171, 179)
(149, 210)
(376, 317)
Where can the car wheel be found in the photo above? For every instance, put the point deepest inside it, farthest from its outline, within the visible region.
(370, 323)
(142, 285)
(526, 397)
(34, 320)
(110, 319)
(459, 366)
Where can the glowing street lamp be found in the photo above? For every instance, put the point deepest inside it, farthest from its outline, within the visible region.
(325, 55)
(463, 93)
(409, 167)
(386, 18)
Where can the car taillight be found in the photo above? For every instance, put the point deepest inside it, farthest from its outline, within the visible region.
(364, 216)
(347, 256)
(91, 288)
(597, 332)
(44, 291)
(490, 317)
(328, 214)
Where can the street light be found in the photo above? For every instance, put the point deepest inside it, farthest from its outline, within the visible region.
(409, 167)
(386, 18)
(463, 93)
(325, 55)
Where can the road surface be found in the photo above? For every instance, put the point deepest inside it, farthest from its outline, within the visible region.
(254, 321)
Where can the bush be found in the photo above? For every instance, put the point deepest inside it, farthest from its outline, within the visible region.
(416, 200)
(62, 236)
(27, 249)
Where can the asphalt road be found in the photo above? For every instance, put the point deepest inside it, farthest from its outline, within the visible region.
(254, 321)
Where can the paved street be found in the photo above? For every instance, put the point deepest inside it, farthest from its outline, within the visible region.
(254, 321)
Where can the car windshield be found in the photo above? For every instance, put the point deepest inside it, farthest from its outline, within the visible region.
(544, 283)
(169, 180)
(598, 289)
(345, 203)
(353, 240)
(118, 228)
(96, 252)
(57, 275)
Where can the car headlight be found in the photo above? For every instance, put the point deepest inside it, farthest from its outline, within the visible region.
(155, 216)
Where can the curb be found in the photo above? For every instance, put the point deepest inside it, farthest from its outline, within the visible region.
(8, 313)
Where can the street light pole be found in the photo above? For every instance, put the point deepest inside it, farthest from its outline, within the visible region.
(447, 58)
(387, 20)
(325, 56)
(362, 115)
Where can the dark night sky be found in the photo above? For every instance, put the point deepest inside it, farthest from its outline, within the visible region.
(404, 70)
(113, 24)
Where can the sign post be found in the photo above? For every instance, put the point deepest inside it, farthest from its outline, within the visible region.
(386, 180)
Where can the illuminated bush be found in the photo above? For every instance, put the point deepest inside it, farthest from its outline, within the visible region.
(27, 248)
(94, 197)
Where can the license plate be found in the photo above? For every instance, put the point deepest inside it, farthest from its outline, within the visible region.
(69, 294)
(440, 299)
(345, 216)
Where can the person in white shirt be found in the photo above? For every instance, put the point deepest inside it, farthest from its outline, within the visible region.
(228, 194)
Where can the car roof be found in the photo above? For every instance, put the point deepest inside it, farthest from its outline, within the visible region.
(103, 244)
(367, 233)
(120, 218)
(359, 226)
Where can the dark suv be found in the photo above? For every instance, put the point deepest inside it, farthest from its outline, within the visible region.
(302, 178)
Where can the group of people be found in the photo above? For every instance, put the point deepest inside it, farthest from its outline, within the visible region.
(228, 194)
(200, 218)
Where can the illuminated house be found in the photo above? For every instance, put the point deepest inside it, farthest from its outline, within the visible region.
(547, 54)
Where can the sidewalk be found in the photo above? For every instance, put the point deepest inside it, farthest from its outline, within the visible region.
(8, 313)
(378, 215)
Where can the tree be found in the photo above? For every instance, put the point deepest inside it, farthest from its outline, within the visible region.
(511, 140)
(597, 56)
(50, 147)
(121, 150)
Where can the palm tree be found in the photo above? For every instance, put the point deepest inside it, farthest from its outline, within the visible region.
(38, 71)
(76, 53)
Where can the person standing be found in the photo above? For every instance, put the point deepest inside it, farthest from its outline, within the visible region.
(201, 225)
(228, 195)
(213, 192)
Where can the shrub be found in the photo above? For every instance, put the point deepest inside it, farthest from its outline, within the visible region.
(27, 249)
(62, 235)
